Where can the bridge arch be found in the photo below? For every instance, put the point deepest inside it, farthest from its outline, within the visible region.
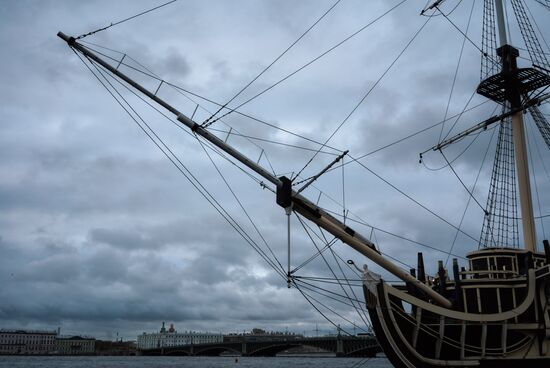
(215, 350)
(328, 346)
(180, 352)
(370, 352)
(270, 350)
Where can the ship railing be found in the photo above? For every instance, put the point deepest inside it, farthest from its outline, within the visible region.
(491, 274)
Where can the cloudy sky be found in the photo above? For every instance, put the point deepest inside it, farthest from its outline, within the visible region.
(100, 233)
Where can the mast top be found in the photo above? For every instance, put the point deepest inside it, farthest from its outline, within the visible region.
(501, 22)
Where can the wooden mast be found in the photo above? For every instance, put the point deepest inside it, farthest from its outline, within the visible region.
(285, 195)
(508, 55)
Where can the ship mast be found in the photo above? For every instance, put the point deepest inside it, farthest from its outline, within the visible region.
(286, 196)
(508, 56)
(511, 87)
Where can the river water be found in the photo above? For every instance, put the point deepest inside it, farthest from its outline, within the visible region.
(188, 362)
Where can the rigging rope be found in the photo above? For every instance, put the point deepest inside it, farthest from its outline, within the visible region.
(223, 106)
(363, 361)
(311, 61)
(470, 197)
(488, 41)
(500, 224)
(177, 162)
(180, 127)
(353, 159)
(449, 163)
(125, 20)
(331, 280)
(308, 297)
(268, 262)
(464, 34)
(538, 29)
(456, 71)
(340, 298)
(209, 121)
(465, 148)
(336, 258)
(355, 299)
(532, 43)
(237, 134)
(470, 194)
(548, 177)
(530, 144)
(418, 132)
(158, 142)
(360, 221)
(366, 95)
(328, 266)
(179, 88)
(542, 124)
(240, 203)
(545, 3)
(312, 258)
(414, 200)
(185, 91)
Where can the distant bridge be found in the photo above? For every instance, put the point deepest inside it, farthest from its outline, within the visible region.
(342, 346)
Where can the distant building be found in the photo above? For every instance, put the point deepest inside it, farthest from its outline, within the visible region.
(74, 345)
(166, 338)
(27, 342)
(258, 334)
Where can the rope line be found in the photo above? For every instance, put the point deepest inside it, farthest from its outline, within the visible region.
(330, 268)
(240, 204)
(530, 156)
(124, 20)
(366, 94)
(414, 200)
(208, 121)
(465, 35)
(462, 182)
(470, 197)
(308, 297)
(177, 163)
(456, 71)
(311, 61)
(175, 86)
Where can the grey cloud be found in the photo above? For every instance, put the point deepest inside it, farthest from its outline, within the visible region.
(99, 232)
(124, 239)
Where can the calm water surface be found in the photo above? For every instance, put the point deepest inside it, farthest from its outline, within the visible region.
(188, 362)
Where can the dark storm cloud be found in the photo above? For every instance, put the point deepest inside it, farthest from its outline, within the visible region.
(98, 231)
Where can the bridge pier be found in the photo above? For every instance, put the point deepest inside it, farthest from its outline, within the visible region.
(243, 349)
(340, 347)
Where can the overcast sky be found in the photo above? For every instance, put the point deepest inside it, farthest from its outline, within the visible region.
(100, 234)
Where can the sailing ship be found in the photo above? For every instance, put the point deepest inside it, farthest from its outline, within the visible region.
(492, 312)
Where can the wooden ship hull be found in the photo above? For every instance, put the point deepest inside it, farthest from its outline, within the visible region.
(500, 315)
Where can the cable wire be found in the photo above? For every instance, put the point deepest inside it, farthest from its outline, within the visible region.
(178, 164)
(311, 61)
(207, 121)
(366, 94)
(125, 20)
